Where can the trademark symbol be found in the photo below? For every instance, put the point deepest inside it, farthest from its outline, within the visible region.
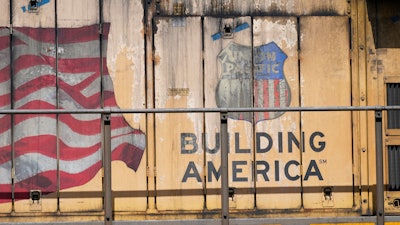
(323, 161)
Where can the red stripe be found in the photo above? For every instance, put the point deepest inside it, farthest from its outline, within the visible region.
(106, 30)
(74, 153)
(28, 61)
(18, 42)
(4, 41)
(276, 93)
(84, 34)
(91, 102)
(5, 192)
(43, 144)
(287, 96)
(109, 99)
(266, 97)
(87, 127)
(46, 35)
(129, 154)
(37, 104)
(5, 123)
(82, 84)
(45, 181)
(81, 65)
(5, 74)
(35, 85)
(71, 180)
(5, 100)
(256, 98)
(5, 154)
(105, 68)
(118, 121)
(20, 118)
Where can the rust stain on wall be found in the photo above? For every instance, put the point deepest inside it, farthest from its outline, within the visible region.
(157, 60)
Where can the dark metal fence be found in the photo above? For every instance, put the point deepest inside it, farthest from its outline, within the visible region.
(106, 115)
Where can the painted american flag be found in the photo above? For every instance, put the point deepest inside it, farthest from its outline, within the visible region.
(78, 84)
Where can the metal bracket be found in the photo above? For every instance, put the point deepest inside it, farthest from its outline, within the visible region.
(380, 210)
(378, 115)
(108, 200)
(224, 169)
(106, 118)
(33, 6)
(10, 27)
(228, 30)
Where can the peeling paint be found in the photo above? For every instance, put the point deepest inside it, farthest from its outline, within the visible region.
(283, 34)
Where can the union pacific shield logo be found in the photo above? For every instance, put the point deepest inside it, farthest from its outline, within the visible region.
(270, 86)
(244, 74)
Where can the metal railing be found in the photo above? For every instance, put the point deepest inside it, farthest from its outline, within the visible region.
(106, 115)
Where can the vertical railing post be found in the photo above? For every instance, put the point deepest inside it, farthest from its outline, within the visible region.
(108, 203)
(380, 214)
(224, 170)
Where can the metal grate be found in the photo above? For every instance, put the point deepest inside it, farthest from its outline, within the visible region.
(394, 167)
(393, 98)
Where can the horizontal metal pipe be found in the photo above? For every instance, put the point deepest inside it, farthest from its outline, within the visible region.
(198, 110)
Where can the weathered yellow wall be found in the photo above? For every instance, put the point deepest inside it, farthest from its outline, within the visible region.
(179, 65)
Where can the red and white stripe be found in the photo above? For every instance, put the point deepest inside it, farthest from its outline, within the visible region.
(272, 93)
(77, 85)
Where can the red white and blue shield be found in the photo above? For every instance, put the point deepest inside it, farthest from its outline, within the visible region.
(244, 74)
(271, 89)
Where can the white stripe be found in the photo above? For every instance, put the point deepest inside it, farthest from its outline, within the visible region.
(26, 75)
(8, 106)
(47, 126)
(80, 165)
(74, 78)
(67, 102)
(36, 49)
(46, 94)
(4, 32)
(5, 171)
(271, 93)
(5, 87)
(282, 93)
(260, 97)
(31, 164)
(77, 140)
(5, 138)
(31, 73)
(34, 127)
(87, 49)
(85, 117)
(108, 84)
(139, 140)
(4, 58)
(3, 115)
(92, 88)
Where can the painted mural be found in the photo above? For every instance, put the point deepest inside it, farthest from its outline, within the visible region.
(237, 83)
(39, 147)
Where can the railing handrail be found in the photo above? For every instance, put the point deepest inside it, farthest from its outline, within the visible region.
(198, 110)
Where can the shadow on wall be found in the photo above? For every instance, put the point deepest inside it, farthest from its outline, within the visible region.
(384, 16)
